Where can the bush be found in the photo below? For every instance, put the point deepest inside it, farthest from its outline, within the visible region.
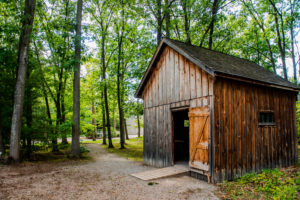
(270, 184)
(84, 150)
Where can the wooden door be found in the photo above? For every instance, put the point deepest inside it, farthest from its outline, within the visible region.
(199, 137)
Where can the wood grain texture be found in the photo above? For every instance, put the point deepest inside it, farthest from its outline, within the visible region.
(241, 144)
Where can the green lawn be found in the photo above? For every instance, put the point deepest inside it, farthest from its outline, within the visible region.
(133, 151)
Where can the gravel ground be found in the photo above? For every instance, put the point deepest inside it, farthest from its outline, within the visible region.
(107, 176)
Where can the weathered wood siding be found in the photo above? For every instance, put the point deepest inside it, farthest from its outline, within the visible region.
(175, 82)
(241, 145)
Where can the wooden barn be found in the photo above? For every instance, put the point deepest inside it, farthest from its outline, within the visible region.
(222, 115)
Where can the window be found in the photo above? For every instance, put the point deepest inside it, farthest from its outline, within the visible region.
(266, 118)
(186, 123)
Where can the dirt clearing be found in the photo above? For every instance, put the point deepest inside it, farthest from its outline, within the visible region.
(107, 176)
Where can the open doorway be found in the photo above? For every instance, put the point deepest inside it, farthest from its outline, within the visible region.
(181, 136)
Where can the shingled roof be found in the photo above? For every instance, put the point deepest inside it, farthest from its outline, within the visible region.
(217, 63)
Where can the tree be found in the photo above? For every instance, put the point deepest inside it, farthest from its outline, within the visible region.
(279, 24)
(14, 153)
(76, 84)
(102, 14)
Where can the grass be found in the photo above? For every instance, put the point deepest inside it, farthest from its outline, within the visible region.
(133, 149)
(270, 184)
(91, 142)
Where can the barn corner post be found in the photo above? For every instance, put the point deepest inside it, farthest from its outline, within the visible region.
(211, 139)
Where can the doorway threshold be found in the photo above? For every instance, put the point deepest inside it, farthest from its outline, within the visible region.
(162, 172)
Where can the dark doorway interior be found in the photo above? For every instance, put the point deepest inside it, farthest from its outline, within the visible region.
(181, 136)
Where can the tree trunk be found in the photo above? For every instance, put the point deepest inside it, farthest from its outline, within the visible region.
(186, 21)
(110, 144)
(48, 112)
(94, 121)
(215, 8)
(159, 19)
(64, 139)
(119, 84)
(1, 138)
(138, 123)
(280, 38)
(76, 85)
(28, 118)
(261, 26)
(28, 18)
(103, 125)
(126, 130)
(293, 51)
(168, 18)
(114, 121)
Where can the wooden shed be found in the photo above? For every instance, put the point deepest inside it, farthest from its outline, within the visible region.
(222, 115)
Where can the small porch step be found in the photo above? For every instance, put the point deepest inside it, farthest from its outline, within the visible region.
(162, 172)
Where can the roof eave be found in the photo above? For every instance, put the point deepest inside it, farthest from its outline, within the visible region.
(252, 81)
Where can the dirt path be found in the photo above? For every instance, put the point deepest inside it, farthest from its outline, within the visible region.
(106, 177)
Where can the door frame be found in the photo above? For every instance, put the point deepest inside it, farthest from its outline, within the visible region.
(178, 109)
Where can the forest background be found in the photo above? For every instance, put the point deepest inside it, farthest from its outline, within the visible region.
(118, 40)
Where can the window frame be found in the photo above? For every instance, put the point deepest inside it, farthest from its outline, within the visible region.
(266, 123)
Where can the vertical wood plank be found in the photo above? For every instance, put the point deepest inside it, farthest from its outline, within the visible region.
(239, 131)
(243, 133)
(257, 137)
(168, 76)
(249, 130)
(210, 85)
(193, 81)
(198, 82)
(160, 87)
(225, 130)
(295, 128)
(177, 78)
(229, 132)
(172, 78)
(181, 77)
(222, 166)
(163, 81)
(232, 131)
(204, 83)
(187, 88)
(217, 90)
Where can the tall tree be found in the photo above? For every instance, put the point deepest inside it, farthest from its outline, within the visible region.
(76, 84)
(293, 18)
(185, 4)
(281, 40)
(28, 18)
(120, 34)
(258, 19)
(102, 13)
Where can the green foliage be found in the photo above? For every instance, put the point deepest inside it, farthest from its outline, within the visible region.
(270, 184)
(83, 149)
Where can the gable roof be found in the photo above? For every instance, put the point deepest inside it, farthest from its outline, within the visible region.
(216, 63)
